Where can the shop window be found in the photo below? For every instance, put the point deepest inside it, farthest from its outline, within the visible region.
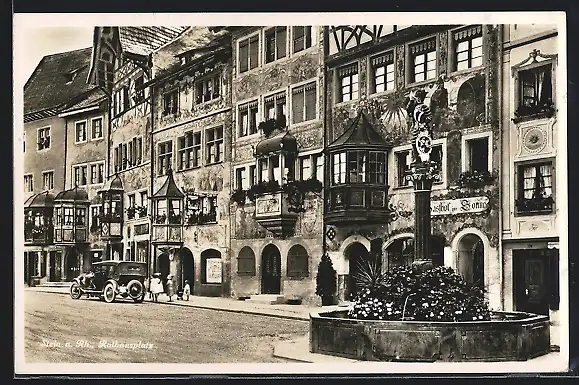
(189, 151)
(403, 161)
(423, 61)
(165, 151)
(275, 44)
(468, 48)
(207, 89)
(535, 90)
(535, 188)
(246, 262)
(383, 73)
(171, 102)
(96, 128)
(348, 83)
(304, 101)
(477, 152)
(47, 180)
(214, 145)
(247, 121)
(28, 183)
(297, 262)
(248, 53)
(44, 138)
(80, 129)
(302, 38)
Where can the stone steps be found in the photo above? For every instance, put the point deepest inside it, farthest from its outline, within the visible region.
(54, 284)
(270, 299)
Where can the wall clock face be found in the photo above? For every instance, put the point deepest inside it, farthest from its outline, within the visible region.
(534, 140)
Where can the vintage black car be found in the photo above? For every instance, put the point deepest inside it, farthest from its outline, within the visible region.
(110, 279)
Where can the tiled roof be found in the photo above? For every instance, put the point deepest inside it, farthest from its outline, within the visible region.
(169, 188)
(144, 40)
(360, 134)
(49, 87)
(92, 99)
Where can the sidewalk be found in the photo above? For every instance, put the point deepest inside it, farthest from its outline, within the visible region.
(297, 312)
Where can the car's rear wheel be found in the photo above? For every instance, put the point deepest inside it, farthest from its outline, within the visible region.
(109, 293)
(75, 292)
(140, 299)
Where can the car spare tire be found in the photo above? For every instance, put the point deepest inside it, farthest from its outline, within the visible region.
(135, 289)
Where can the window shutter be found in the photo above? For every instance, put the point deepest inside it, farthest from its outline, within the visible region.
(140, 150)
(298, 105)
(310, 101)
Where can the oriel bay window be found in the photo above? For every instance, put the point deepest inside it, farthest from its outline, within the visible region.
(167, 210)
(359, 182)
(71, 209)
(535, 189)
(111, 197)
(38, 216)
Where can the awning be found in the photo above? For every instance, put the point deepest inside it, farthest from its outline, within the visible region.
(281, 142)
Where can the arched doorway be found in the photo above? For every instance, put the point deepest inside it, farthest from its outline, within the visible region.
(72, 265)
(270, 270)
(356, 254)
(163, 266)
(470, 263)
(187, 272)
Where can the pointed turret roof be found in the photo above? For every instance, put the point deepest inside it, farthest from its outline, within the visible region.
(361, 133)
(75, 194)
(113, 184)
(169, 188)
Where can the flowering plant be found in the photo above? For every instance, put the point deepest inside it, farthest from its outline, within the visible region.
(405, 292)
(475, 179)
(238, 196)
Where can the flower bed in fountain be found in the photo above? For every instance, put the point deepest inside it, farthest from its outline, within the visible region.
(433, 315)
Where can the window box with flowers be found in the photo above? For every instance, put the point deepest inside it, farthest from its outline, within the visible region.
(540, 205)
(475, 179)
(141, 211)
(238, 196)
(262, 187)
(160, 219)
(131, 211)
(525, 112)
(174, 219)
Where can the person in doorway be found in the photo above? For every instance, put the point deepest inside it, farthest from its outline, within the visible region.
(170, 288)
(186, 290)
(156, 286)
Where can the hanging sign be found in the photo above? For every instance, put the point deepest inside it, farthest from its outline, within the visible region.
(213, 270)
(459, 206)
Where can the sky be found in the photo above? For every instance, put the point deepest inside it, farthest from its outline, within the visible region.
(37, 42)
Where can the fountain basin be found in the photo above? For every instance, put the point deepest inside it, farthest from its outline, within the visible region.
(508, 336)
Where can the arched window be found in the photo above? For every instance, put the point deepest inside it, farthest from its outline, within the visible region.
(400, 252)
(211, 267)
(297, 262)
(246, 262)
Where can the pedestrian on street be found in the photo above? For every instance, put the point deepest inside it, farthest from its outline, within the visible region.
(170, 287)
(187, 290)
(156, 287)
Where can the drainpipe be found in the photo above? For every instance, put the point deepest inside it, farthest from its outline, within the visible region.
(65, 152)
(324, 140)
(500, 90)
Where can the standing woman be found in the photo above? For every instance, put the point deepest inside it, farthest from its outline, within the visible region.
(170, 287)
(156, 287)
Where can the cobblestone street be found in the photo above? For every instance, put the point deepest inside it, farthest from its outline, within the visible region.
(96, 332)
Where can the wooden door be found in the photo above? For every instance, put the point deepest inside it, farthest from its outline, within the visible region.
(532, 281)
(271, 271)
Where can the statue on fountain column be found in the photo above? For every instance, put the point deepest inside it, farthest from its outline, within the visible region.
(421, 119)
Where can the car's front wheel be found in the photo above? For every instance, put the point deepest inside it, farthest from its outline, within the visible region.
(75, 291)
(109, 293)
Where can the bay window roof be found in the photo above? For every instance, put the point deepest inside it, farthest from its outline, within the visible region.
(169, 189)
(113, 184)
(360, 134)
(76, 195)
(284, 141)
(41, 200)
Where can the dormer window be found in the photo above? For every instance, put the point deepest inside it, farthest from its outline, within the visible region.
(70, 76)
